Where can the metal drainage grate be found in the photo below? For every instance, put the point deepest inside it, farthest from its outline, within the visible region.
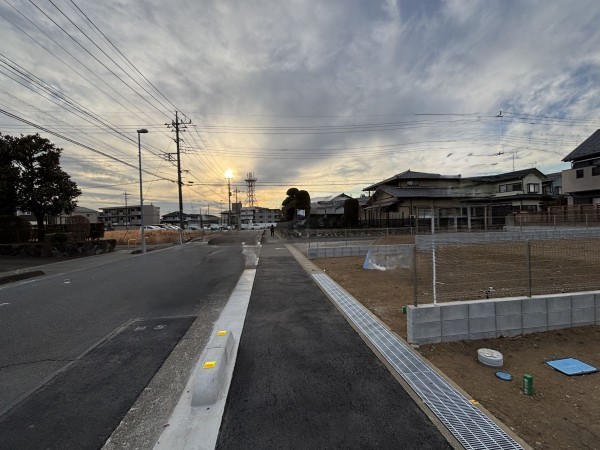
(472, 428)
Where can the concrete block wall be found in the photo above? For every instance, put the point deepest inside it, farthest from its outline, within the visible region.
(485, 319)
(424, 241)
(336, 252)
(356, 250)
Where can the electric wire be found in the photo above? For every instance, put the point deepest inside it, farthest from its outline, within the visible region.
(87, 147)
(96, 59)
(76, 59)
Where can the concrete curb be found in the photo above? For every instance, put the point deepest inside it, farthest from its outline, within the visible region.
(18, 275)
(195, 421)
(209, 381)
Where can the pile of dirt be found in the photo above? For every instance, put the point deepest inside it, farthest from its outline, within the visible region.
(564, 412)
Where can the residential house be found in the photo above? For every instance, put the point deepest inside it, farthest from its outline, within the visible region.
(408, 196)
(90, 214)
(474, 202)
(582, 180)
(552, 184)
(328, 211)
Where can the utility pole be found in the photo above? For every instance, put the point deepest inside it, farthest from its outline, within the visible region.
(175, 124)
(239, 211)
(125, 194)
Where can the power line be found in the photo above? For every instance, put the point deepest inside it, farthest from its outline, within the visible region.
(125, 57)
(105, 54)
(72, 56)
(87, 147)
(95, 58)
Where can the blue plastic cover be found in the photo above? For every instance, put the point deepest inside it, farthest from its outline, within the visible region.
(571, 366)
(504, 376)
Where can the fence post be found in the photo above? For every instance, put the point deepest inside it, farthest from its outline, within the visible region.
(520, 223)
(586, 221)
(529, 267)
(555, 221)
(416, 278)
(433, 259)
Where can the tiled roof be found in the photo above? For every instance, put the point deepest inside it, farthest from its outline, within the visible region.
(587, 149)
(517, 175)
(410, 175)
(330, 198)
(552, 176)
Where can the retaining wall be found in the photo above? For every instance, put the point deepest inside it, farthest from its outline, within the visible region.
(354, 250)
(512, 234)
(423, 241)
(484, 319)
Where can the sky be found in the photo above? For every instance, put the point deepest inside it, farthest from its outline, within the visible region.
(327, 96)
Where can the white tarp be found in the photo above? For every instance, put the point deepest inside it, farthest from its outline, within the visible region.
(388, 257)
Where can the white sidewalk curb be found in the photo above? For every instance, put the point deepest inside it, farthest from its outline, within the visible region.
(195, 421)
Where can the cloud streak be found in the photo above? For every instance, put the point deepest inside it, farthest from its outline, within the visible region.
(330, 95)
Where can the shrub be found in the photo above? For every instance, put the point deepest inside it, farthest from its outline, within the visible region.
(14, 229)
(96, 230)
(79, 226)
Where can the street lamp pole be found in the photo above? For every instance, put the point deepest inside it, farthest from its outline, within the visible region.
(143, 241)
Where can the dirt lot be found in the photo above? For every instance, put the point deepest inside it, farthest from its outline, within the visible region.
(563, 413)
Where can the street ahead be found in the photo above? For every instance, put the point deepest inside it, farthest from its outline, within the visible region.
(66, 334)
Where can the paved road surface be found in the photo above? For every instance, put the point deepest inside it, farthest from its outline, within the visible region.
(48, 324)
(305, 379)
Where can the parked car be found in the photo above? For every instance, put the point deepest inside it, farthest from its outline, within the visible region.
(152, 227)
(167, 226)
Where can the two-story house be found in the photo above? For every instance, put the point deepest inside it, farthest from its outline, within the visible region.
(454, 201)
(582, 180)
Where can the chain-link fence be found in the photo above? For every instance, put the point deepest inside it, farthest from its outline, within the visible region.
(452, 271)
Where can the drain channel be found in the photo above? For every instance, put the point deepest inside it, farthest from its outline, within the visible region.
(472, 428)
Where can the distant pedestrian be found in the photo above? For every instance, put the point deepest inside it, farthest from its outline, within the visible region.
(272, 230)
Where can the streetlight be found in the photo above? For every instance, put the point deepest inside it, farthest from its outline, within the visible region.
(143, 130)
(228, 177)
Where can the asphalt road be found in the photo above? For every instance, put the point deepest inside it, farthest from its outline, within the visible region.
(50, 325)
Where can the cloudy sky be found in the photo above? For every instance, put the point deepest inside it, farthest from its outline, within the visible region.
(327, 96)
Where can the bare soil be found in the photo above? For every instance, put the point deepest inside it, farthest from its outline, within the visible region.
(563, 413)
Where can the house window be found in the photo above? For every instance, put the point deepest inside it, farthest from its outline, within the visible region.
(595, 171)
(557, 190)
(510, 187)
(579, 173)
(412, 183)
(533, 188)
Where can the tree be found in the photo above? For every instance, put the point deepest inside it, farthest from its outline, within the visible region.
(9, 178)
(295, 200)
(303, 202)
(43, 188)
